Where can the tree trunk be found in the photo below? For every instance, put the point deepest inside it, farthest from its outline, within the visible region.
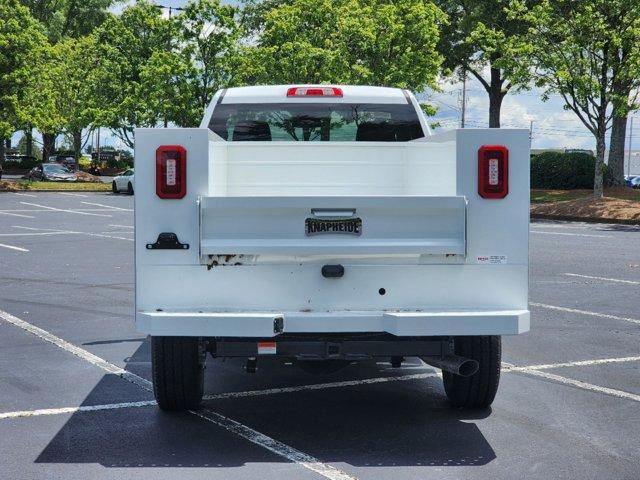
(598, 189)
(48, 145)
(2, 150)
(8, 143)
(616, 150)
(28, 133)
(77, 147)
(495, 98)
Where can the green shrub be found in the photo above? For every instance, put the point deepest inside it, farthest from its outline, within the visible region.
(562, 171)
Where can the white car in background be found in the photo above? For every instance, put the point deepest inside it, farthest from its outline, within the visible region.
(123, 182)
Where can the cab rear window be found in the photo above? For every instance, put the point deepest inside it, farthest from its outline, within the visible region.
(321, 122)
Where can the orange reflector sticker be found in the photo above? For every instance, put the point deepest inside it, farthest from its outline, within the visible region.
(266, 348)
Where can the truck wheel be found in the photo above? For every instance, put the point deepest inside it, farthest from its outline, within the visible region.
(178, 372)
(478, 390)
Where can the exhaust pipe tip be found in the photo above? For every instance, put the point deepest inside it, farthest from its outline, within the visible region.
(465, 367)
(468, 368)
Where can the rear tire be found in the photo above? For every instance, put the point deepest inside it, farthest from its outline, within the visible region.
(114, 187)
(130, 189)
(178, 372)
(478, 390)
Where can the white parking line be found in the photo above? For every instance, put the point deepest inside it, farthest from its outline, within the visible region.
(584, 312)
(77, 351)
(52, 231)
(25, 194)
(321, 386)
(12, 247)
(579, 363)
(227, 395)
(582, 385)
(123, 226)
(16, 215)
(279, 448)
(39, 210)
(61, 232)
(571, 234)
(617, 280)
(65, 210)
(108, 206)
(506, 368)
(72, 194)
(84, 408)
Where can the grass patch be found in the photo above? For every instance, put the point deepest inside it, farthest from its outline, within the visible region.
(70, 186)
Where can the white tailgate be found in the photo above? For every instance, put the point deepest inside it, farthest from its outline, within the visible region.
(418, 225)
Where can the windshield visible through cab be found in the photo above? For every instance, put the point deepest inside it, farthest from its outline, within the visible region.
(312, 122)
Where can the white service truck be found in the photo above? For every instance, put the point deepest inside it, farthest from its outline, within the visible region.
(327, 225)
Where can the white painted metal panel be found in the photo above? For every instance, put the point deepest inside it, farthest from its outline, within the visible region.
(418, 225)
(251, 324)
(443, 165)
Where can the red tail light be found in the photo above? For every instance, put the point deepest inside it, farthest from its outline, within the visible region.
(171, 171)
(314, 92)
(493, 171)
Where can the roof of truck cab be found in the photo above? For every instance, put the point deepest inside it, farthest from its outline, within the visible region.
(278, 94)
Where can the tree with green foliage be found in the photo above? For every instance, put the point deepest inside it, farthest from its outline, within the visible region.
(165, 91)
(371, 42)
(61, 19)
(575, 45)
(482, 40)
(70, 68)
(125, 45)
(625, 66)
(21, 46)
(209, 33)
(69, 18)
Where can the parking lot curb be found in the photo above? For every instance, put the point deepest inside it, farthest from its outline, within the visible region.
(574, 218)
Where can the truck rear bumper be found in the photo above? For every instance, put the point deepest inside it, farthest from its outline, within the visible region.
(272, 324)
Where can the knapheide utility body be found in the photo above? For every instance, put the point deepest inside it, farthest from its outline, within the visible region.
(327, 225)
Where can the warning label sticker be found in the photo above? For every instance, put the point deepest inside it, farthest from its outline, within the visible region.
(266, 348)
(491, 259)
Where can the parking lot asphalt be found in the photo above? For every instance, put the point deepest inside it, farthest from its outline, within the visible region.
(75, 400)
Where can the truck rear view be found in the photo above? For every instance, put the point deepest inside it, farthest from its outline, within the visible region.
(326, 225)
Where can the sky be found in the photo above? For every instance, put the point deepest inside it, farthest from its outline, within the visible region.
(553, 126)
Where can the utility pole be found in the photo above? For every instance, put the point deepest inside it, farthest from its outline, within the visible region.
(171, 9)
(630, 145)
(531, 130)
(464, 98)
(98, 146)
